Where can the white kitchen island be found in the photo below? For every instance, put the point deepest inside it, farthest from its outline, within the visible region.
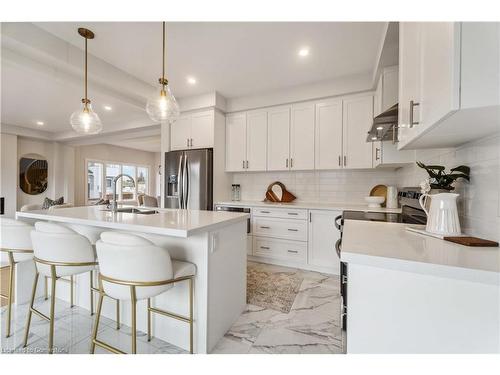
(411, 293)
(214, 241)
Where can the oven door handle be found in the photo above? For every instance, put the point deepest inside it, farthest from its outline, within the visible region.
(337, 222)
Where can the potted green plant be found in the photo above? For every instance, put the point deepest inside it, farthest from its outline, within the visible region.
(441, 181)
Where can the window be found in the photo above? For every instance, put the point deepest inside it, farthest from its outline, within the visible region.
(100, 175)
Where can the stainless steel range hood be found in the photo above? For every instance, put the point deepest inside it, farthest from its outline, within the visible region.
(385, 126)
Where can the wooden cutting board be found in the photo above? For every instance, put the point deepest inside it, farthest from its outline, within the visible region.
(472, 241)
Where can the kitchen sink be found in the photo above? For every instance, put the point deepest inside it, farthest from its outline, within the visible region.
(133, 210)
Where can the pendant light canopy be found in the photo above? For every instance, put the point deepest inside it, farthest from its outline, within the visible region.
(84, 120)
(162, 106)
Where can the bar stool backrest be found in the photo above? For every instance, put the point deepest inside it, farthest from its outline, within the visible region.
(58, 243)
(128, 257)
(14, 235)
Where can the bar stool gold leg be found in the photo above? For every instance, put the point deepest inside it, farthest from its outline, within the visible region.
(91, 293)
(46, 288)
(33, 293)
(117, 314)
(133, 303)
(52, 308)
(149, 319)
(191, 315)
(97, 319)
(12, 265)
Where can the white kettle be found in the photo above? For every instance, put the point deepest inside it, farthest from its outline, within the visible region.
(442, 216)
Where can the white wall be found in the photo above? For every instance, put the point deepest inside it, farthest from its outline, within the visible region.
(8, 176)
(110, 153)
(342, 186)
(479, 201)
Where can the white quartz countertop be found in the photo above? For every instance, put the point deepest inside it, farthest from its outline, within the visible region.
(390, 244)
(168, 222)
(311, 206)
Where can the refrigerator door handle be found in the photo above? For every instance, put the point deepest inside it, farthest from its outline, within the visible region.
(180, 187)
(185, 183)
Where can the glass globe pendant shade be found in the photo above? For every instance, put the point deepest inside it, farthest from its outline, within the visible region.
(162, 106)
(85, 120)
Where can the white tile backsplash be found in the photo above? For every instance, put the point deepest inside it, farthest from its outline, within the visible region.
(479, 201)
(314, 186)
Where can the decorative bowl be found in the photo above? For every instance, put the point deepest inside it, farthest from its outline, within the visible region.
(375, 202)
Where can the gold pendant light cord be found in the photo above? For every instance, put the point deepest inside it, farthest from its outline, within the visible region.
(86, 100)
(163, 60)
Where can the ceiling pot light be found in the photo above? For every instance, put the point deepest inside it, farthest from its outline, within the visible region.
(85, 120)
(303, 52)
(162, 106)
(191, 80)
(40, 123)
(108, 108)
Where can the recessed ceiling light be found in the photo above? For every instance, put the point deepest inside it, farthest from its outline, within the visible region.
(108, 108)
(303, 52)
(191, 80)
(374, 138)
(40, 123)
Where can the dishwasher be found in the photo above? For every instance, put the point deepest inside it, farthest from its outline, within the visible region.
(242, 209)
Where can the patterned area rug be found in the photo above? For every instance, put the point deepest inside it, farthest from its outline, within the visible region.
(272, 290)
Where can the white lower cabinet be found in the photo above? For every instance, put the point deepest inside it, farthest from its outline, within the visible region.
(296, 237)
(322, 238)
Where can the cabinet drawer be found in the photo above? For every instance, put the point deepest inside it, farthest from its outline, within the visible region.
(280, 249)
(280, 228)
(283, 213)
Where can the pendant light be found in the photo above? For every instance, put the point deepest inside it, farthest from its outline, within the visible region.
(162, 106)
(85, 120)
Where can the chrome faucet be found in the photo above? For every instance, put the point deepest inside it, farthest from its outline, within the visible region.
(114, 203)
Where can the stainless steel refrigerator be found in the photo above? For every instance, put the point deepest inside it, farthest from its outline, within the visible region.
(189, 179)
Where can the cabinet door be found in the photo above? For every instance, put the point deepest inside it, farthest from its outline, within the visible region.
(180, 133)
(409, 77)
(322, 238)
(236, 142)
(256, 141)
(440, 72)
(302, 137)
(358, 118)
(202, 130)
(328, 148)
(278, 139)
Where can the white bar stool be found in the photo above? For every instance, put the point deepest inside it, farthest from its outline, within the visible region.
(58, 251)
(15, 241)
(133, 268)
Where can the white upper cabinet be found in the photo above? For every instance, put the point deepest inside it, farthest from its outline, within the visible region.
(256, 141)
(236, 125)
(193, 130)
(328, 145)
(450, 71)
(180, 133)
(357, 120)
(202, 130)
(278, 138)
(302, 137)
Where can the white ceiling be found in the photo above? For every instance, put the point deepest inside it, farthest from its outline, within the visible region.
(234, 59)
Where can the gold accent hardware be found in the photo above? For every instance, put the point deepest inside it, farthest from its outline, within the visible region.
(150, 309)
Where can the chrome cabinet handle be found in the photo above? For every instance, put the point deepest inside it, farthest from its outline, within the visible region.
(292, 230)
(412, 106)
(264, 227)
(340, 161)
(191, 142)
(345, 161)
(187, 142)
(243, 162)
(264, 247)
(377, 150)
(247, 164)
(264, 212)
(293, 213)
(293, 251)
(286, 162)
(291, 162)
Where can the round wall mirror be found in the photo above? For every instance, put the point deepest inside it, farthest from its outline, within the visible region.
(33, 174)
